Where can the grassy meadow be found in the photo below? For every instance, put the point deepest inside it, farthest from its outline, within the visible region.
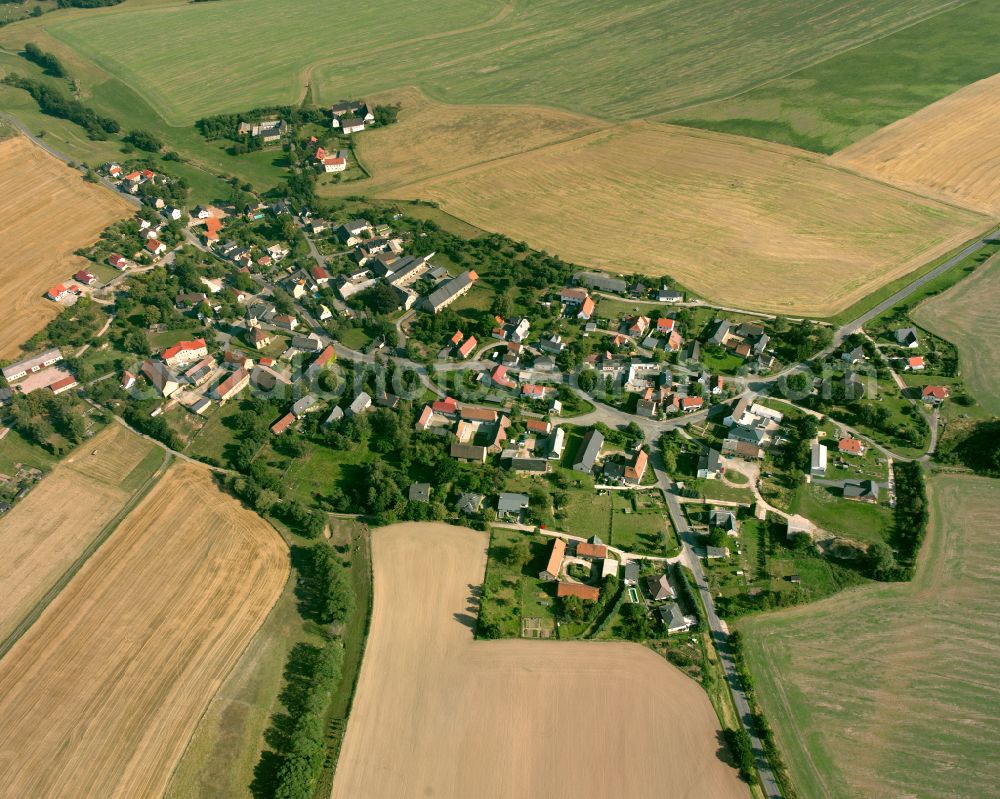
(189, 59)
(885, 690)
(966, 316)
(836, 102)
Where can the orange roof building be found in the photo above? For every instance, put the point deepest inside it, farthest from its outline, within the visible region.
(551, 570)
(588, 593)
(585, 550)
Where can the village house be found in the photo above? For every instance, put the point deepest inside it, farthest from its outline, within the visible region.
(201, 371)
(232, 385)
(282, 424)
(445, 294)
(59, 292)
(850, 446)
(710, 464)
(419, 492)
(907, 337)
(184, 353)
(554, 564)
(635, 471)
(361, 403)
(935, 395)
(589, 451)
(160, 377)
(268, 130)
(817, 462)
(914, 364)
(470, 503)
(35, 363)
(673, 620)
(659, 588)
(861, 490)
(588, 593)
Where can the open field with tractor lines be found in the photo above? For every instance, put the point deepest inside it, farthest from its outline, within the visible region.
(186, 58)
(434, 138)
(47, 211)
(966, 315)
(45, 533)
(741, 222)
(950, 149)
(105, 689)
(886, 690)
(438, 713)
(827, 106)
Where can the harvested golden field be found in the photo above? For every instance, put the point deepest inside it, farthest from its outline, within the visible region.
(432, 138)
(742, 222)
(47, 212)
(100, 696)
(966, 315)
(439, 714)
(887, 691)
(950, 149)
(52, 527)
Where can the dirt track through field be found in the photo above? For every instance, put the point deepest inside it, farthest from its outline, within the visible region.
(744, 223)
(439, 714)
(47, 211)
(49, 529)
(100, 696)
(950, 149)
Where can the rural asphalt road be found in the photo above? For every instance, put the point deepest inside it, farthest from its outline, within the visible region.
(719, 634)
(855, 324)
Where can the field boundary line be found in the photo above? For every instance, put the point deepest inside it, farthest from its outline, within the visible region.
(292, 578)
(40, 606)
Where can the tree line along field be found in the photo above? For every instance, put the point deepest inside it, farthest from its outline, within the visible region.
(830, 105)
(743, 222)
(46, 213)
(46, 532)
(966, 316)
(886, 690)
(439, 714)
(950, 149)
(186, 59)
(105, 689)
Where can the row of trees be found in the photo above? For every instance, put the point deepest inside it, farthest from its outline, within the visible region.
(55, 103)
(47, 61)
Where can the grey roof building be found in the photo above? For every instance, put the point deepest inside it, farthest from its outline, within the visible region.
(631, 573)
(673, 619)
(659, 587)
(448, 292)
(511, 505)
(864, 490)
(470, 503)
(596, 280)
(590, 448)
(709, 463)
(419, 492)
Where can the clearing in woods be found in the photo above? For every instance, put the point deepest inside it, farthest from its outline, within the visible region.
(966, 315)
(105, 689)
(950, 149)
(740, 221)
(440, 714)
(887, 690)
(47, 211)
(51, 528)
(575, 55)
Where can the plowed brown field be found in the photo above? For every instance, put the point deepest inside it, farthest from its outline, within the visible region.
(48, 530)
(439, 714)
(100, 696)
(47, 212)
(950, 149)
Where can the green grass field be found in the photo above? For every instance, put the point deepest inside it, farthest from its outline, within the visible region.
(829, 105)
(857, 520)
(966, 316)
(887, 690)
(190, 59)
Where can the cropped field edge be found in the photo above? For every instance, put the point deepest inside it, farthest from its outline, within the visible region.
(224, 677)
(33, 615)
(863, 306)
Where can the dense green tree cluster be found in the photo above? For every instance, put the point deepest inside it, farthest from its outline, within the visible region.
(55, 103)
(47, 61)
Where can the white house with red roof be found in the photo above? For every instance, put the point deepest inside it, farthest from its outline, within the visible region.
(935, 395)
(118, 261)
(58, 292)
(85, 277)
(156, 247)
(915, 363)
(184, 353)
